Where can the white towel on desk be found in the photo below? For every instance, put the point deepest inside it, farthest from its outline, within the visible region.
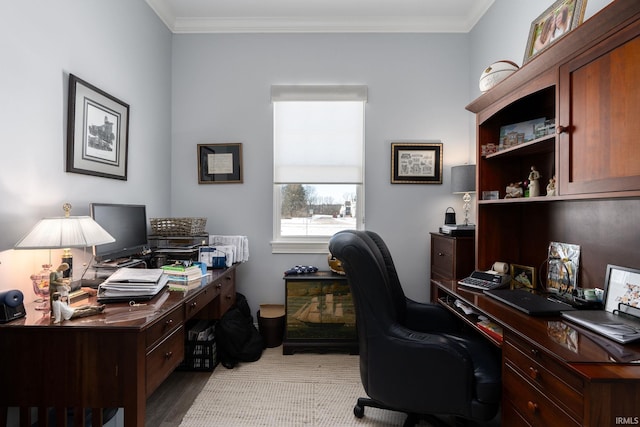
(240, 244)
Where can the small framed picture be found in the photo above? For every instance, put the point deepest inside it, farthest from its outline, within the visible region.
(416, 163)
(490, 195)
(523, 277)
(559, 18)
(97, 132)
(219, 163)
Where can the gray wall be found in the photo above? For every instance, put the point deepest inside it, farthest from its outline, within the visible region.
(189, 89)
(221, 90)
(121, 47)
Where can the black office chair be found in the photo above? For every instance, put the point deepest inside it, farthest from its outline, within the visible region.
(414, 358)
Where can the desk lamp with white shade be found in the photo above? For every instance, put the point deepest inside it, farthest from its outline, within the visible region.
(64, 232)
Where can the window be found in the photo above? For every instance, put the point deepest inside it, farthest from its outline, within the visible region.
(318, 142)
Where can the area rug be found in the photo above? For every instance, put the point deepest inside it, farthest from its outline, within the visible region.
(316, 390)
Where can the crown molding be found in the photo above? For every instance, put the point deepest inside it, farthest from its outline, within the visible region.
(319, 24)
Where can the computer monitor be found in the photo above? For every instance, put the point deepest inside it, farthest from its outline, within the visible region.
(126, 223)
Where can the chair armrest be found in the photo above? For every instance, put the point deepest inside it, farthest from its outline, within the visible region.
(428, 317)
(404, 367)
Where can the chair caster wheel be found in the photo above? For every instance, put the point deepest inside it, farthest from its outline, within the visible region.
(358, 411)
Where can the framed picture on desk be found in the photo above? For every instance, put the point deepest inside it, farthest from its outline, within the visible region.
(523, 277)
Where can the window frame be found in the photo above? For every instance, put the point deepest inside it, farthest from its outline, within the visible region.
(315, 244)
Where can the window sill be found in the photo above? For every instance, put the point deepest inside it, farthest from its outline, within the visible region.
(300, 246)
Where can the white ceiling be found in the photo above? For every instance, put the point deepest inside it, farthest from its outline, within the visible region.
(319, 16)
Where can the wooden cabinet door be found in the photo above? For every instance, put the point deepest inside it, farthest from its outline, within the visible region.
(599, 117)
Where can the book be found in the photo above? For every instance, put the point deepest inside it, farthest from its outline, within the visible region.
(564, 261)
(180, 274)
(181, 285)
(492, 329)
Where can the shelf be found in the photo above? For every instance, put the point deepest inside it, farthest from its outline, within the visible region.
(541, 145)
(553, 199)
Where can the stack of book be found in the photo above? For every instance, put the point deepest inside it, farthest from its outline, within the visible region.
(492, 329)
(181, 278)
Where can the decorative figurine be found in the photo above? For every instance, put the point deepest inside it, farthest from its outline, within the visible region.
(62, 310)
(534, 186)
(59, 285)
(551, 187)
(514, 190)
(59, 295)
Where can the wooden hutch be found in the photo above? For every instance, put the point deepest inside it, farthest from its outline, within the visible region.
(554, 372)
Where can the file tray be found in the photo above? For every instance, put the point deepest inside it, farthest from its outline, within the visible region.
(628, 310)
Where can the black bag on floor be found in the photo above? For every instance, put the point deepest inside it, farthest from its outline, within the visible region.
(237, 338)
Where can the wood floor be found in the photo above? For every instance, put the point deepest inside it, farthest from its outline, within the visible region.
(171, 401)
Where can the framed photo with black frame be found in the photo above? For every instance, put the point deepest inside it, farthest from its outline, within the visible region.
(559, 18)
(97, 131)
(622, 287)
(219, 163)
(416, 163)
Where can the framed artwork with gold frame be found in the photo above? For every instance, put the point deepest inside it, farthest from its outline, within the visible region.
(523, 277)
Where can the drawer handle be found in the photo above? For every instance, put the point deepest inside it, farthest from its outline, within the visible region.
(535, 352)
(168, 355)
(440, 254)
(533, 407)
(168, 322)
(533, 373)
(193, 304)
(562, 129)
(218, 285)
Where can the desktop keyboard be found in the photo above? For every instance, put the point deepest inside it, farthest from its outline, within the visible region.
(480, 283)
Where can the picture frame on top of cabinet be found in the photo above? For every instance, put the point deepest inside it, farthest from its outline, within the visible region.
(555, 22)
(416, 163)
(97, 132)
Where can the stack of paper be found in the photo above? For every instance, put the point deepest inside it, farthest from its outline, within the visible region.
(132, 282)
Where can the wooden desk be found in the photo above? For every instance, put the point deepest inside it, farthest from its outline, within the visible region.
(555, 372)
(115, 359)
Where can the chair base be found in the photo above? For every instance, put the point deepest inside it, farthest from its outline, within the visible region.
(411, 420)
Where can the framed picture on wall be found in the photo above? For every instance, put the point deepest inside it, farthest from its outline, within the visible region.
(559, 18)
(97, 131)
(219, 163)
(416, 163)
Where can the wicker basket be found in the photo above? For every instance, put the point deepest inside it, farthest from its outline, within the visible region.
(178, 226)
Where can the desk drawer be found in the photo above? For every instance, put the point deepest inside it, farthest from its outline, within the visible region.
(442, 258)
(164, 326)
(227, 292)
(530, 403)
(164, 358)
(545, 374)
(200, 300)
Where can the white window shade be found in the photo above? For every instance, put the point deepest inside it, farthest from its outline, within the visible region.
(318, 138)
(318, 142)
